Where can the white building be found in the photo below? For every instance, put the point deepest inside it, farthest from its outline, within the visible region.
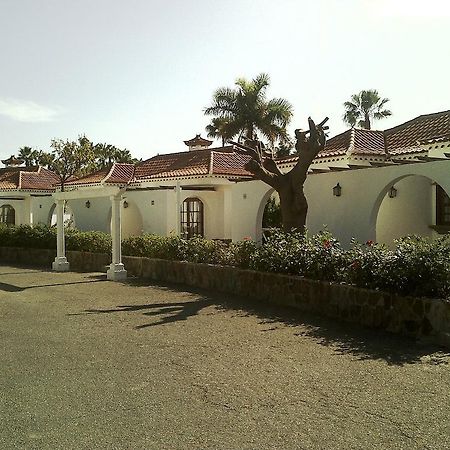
(371, 185)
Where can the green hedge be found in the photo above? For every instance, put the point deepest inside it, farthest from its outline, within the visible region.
(417, 266)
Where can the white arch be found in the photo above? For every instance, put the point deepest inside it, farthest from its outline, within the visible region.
(12, 211)
(69, 216)
(382, 194)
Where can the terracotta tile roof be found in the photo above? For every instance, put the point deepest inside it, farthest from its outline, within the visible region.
(407, 137)
(215, 161)
(27, 178)
(9, 178)
(230, 163)
(355, 141)
(91, 178)
(118, 173)
(368, 142)
(42, 179)
(337, 145)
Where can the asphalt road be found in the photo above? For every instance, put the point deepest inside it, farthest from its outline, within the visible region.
(91, 364)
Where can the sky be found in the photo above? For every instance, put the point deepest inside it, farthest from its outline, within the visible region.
(138, 73)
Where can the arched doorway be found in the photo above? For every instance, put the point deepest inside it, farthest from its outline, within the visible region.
(192, 218)
(412, 204)
(69, 217)
(7, 215)
(271, 218)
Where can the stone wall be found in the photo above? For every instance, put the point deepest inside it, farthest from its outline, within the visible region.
(416, 317)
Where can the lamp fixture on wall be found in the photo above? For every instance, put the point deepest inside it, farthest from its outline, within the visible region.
(337, 190)
(88, 204)
(392, 192)
(125, 204)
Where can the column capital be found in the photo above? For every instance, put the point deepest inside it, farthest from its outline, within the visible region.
(116, 197)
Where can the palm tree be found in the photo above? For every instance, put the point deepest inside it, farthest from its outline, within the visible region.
(28, 155)
(218, 129)
(245, 112)
(364, 107)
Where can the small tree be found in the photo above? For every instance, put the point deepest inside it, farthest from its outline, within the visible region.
(293, 203)
(70, 157)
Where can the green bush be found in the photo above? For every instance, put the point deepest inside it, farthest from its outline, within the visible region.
(39, 236)
(88, 241)
(417, 266)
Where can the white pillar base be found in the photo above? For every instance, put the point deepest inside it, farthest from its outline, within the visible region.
(116, 272)
(60, 264)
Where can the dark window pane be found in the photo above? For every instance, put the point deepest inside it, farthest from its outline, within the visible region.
(192, 217)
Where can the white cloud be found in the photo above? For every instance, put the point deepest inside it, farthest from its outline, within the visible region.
(28, 111)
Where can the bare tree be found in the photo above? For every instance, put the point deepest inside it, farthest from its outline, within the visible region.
(293, 203)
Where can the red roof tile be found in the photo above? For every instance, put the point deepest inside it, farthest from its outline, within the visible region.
(230, 163)
(120, 173)
(90, 178)
(42, 179)
(27, 178)
(407, 137)
(9, 178)
(355, 141)
(215, 161)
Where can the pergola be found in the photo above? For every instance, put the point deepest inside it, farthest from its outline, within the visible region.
(116, 269)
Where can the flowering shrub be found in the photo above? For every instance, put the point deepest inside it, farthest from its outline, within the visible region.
(417, 266)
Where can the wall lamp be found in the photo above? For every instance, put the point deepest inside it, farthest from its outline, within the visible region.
(88, 204)
(392, 192)
(125, 204)
(337, 190)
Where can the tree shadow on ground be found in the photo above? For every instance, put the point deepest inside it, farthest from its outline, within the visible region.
(346, 338)
(169, 312)
(343, 338)
(7, 287)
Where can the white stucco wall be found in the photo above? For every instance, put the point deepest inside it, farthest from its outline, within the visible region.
(354, 214)
(40, 209)
(30, 210)
(20, 209)
(97, 217)
(154, 216)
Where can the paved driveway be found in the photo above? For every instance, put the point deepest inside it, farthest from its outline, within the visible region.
(91, 364)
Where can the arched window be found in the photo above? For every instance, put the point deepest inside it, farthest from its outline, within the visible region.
(442, 207)
(192, 218)
(7, 215)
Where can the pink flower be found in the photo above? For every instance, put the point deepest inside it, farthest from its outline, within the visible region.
(327, 244)
(370, 243)
(247, 238)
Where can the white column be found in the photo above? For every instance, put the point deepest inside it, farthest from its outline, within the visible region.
(116, 269)
(60, 264)
(178, 208)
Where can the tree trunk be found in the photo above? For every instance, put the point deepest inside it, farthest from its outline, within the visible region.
(366, 121)
(293, 204)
